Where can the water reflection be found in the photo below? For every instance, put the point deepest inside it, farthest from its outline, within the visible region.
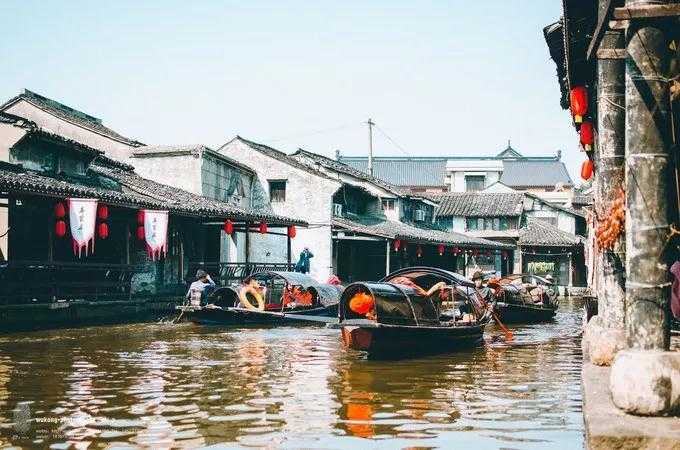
(170, 386)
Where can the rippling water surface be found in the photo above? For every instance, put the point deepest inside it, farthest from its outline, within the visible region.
(169, 386)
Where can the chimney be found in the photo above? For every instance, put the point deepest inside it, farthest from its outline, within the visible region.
(558, 155)
(337, 155)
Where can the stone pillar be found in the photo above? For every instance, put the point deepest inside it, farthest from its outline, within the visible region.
(649, 183)
(609, 174)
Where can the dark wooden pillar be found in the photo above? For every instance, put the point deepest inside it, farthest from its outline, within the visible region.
(609, 171)
(247, 242)
(289, 251)
(649, 185)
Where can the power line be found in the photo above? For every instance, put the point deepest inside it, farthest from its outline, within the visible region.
(392, 141)
(314, 132)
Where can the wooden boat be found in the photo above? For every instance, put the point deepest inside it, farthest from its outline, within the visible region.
(406, 318)
(276, 305)
(526, 298)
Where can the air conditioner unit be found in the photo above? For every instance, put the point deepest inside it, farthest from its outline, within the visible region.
(419, 215)
(337, 209)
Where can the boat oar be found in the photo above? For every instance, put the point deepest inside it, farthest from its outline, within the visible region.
(508, 334)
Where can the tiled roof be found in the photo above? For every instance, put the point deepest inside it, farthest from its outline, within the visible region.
(525, 173)
(374, 226)
(135, 191)
(340, 167)
(196, 149)
(69, 114)
(402, 171)
(479, 204)
(276, 154)
(540, 233)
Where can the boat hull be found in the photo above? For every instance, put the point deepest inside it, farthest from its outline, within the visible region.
(517, 313)
(241, 316)
(388, 340)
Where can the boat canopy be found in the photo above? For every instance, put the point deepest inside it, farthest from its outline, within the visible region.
(327, 294)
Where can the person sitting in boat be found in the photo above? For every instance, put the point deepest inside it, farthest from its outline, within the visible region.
(201, 288)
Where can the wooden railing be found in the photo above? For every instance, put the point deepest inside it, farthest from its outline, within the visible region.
(226, 273)
(41, 282)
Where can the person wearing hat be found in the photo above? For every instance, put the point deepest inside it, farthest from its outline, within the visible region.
(202, 287)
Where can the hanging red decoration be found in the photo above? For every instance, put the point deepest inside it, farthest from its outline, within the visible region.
(102, 212)
(263, 228)
(578, 99)
(140, 217)
(587, 136)
(141, 235)
(456, 250)
(475, 252)
(587, 169)
(60, 228)
(292, 232)
(396, 244)
(228, 227)
(419, 251)
(103, 230)
(59, 210)
(504, 254)
(488, 253)
(440, 249)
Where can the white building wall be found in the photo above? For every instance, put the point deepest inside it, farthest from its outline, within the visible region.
(183, 171)
(458, 224)
(113, 148)
(308, 197)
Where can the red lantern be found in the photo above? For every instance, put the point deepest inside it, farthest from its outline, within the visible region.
(228, 227)
(587, 135)
(578, 99)
(488, 253)
(292, 232)
(455, 250)
(140, 233)
(263, 228)
(419, 251)
(475, 252)
(103, 212)
(504, 254)
(587, 169)
(103, 230)
(396, 244)
(60, 228)
(140, 217)
(441, 249)
(59, 210)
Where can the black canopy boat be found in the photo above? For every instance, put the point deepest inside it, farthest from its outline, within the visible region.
(402, 313)
(269, 297)
(525, 298)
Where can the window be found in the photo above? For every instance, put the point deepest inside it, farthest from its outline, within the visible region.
(474, 183)
(277, 191)
(388, 204)
(550, 220)
(221, 181)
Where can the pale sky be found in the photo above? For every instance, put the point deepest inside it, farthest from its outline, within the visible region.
(439, 77)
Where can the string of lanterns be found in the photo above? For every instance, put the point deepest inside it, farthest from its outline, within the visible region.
(578, 102)
(398, 244)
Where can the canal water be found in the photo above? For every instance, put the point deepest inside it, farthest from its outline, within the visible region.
(173, 386)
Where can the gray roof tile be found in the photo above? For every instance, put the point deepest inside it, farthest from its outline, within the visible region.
(403, 172)
(375, 226)
(540, 233)
(479, 204)
(523, 173)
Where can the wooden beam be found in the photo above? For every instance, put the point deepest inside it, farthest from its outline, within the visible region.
(647, 11)
(599, 31)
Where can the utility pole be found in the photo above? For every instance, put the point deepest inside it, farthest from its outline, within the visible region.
(370, 124)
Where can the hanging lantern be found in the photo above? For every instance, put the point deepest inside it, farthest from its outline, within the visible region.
(456, 250)
(140, 217)
(419, 251)
(504, 254)
(292, 232)
(475, 252)
(263, 228)
(60, 228)
(587, 135)
(488, 253)
(587, 170)
(396, 244)
(140, 233)
(578, 99)
(59, 210)
(103, 212)
(228, 227)
(440, 249)
(103, 230)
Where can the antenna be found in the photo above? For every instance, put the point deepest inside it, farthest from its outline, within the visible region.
(370, 124)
